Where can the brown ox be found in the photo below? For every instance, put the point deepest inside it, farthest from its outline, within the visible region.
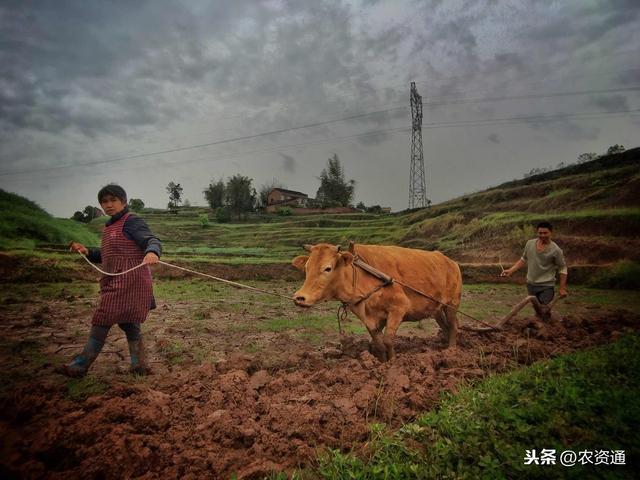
(332, 275)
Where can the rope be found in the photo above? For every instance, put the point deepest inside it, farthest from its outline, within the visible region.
(342, 310)
(235, 284)
(388, 281)
(445, 304)
(342, 315)
(107, 273)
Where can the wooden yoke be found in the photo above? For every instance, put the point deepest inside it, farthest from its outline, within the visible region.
(372, 270)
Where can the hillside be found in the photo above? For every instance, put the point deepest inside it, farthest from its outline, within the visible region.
(24, 224)
(595, 209)
(594, 206)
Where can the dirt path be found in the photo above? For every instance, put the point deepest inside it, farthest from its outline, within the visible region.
(250, 413)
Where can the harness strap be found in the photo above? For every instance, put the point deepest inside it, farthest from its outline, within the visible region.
(387, 280)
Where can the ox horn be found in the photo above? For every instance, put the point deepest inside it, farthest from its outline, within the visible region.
(307, 247)
(352, 246)
(339, 248)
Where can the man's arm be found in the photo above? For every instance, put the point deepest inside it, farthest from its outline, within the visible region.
(563, 285)
(516, 266)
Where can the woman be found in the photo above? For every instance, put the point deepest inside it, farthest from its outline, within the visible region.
(126, 299)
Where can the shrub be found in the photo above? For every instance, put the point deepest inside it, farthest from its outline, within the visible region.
(623, 275)
(520, 235)
(203, 218)
(223, 215)
(284, 211)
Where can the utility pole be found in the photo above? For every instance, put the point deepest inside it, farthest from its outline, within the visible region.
(417, 183)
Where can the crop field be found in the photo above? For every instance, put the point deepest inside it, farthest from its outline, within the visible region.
(246, 384)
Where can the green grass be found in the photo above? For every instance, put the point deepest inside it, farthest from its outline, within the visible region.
(23, 224)
(624, 274)
(584, 401)
(173, 352)
(502, 217)
(82, 388)
(560, 193)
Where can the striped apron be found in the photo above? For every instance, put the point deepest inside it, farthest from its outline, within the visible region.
(126, 298)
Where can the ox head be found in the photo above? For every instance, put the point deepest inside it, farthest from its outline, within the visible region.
(327, 274)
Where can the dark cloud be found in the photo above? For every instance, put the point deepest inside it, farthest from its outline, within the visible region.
(628, 76)
(375, 138)
(84, 81)
(566, 129)
(85, 65)
(289, 163)
(493, 138)
(610, 102)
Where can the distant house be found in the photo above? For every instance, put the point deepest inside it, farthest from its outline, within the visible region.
(282, 197)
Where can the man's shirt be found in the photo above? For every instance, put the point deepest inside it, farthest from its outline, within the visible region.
(542, 266)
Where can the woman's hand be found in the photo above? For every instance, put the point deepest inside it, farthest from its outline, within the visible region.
(78, 247)
(150, 258)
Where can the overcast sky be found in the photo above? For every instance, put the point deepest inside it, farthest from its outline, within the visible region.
(144, 93)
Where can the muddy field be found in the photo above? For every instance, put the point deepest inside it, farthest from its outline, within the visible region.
(242, 383)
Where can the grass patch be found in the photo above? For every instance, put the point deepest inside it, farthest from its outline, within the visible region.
(585, 401)
(24, 224)
(81, 388)
(560, 193)
(624, 274)
(173, 352)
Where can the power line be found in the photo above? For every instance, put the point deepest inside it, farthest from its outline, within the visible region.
(209, 144)
(460, 101)
(327, 122)
(390, 131)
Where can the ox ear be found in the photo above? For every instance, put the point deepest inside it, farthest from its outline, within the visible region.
(346, 257)
(300, 262)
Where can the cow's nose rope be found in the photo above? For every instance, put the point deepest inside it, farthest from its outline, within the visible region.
(223, 280)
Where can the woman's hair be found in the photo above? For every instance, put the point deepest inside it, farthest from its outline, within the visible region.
(112, 189)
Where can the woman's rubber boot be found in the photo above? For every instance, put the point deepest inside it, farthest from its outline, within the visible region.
(80, 364)
(138, 353)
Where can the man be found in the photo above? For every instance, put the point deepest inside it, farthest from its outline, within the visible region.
(543, 258)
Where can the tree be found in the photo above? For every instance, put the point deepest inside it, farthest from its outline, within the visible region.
(240, 195)
(175, 195)
(214, 194)
(91, 212)
(223, 215)
(265, 190)
(615, 149)
(88, 214)
(361, 206)
(334, 189)
(136, 204)
(587, 157)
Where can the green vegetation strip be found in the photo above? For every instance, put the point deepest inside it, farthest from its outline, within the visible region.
(586, 401)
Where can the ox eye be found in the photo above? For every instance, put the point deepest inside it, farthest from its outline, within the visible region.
(328, 269)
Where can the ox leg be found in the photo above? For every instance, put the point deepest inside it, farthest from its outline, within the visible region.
(393, 322)
(374, 327)
(451, 317)
(441, 320)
